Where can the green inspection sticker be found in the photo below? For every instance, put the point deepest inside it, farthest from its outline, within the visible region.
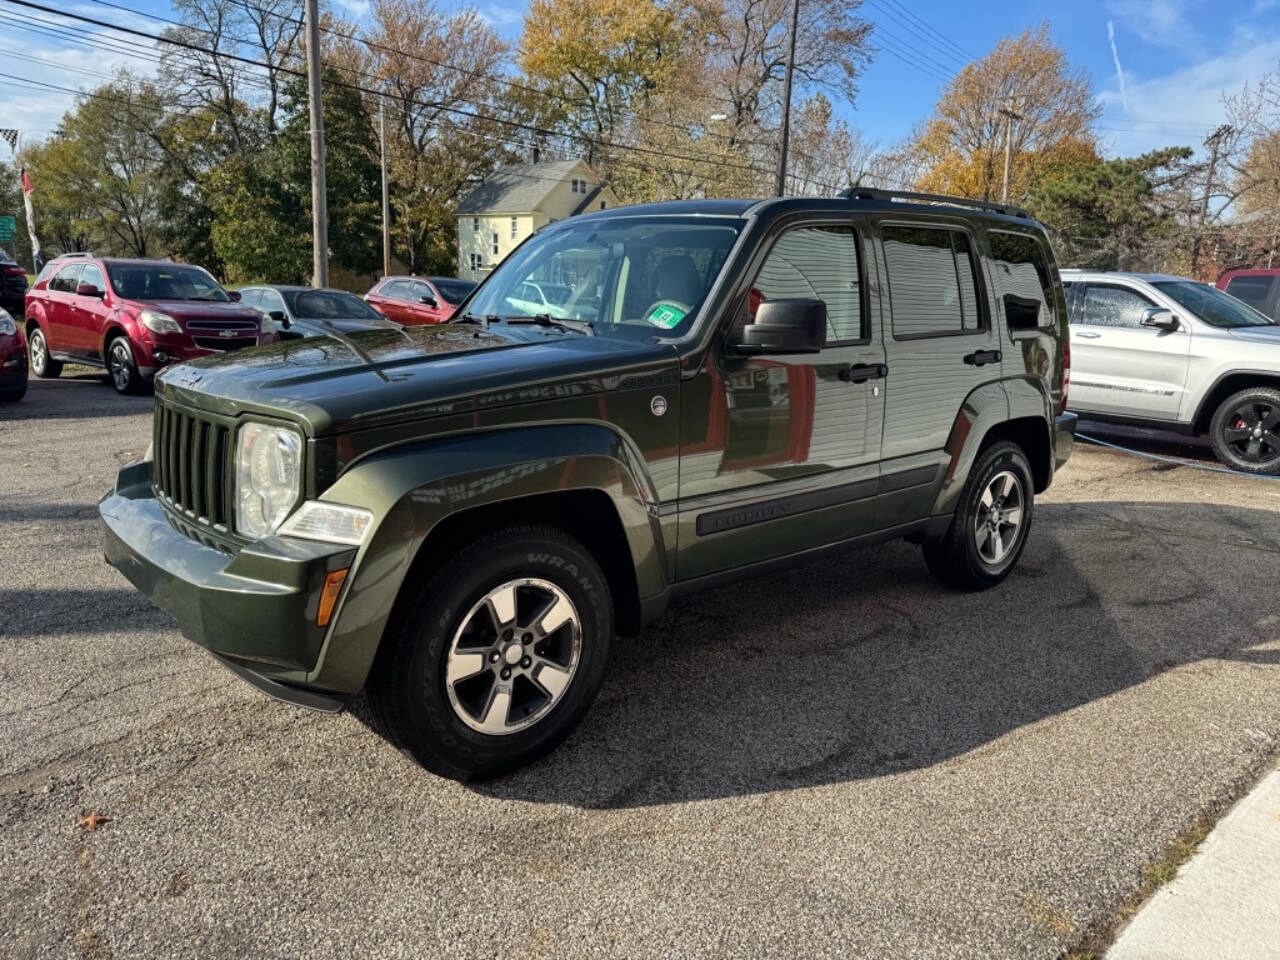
(665, 315)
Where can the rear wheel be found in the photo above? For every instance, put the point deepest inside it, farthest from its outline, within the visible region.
(42, 363)
(121, 368)
(497, 658)
(991, 522)
(1245, 431)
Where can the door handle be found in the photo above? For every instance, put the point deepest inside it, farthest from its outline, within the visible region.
(980, 357)
(862, 372)
(1088, 335)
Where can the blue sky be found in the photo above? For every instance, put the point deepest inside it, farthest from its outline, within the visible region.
(1177, 58)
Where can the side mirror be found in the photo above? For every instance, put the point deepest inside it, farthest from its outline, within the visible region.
(784, 326)
(89, 290)
(428, 301)
(1160, 319)
(234, 295)
(1021, 313)
(279, 317)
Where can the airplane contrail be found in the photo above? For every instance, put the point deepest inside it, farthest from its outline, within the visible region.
(1111, 35)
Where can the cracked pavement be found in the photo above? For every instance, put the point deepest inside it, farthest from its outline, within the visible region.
(843, 760)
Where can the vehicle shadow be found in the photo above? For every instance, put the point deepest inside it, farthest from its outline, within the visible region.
(1165, 443)
(862, 666)
(74, 397)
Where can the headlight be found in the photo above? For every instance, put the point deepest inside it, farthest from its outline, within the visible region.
(158, 322)
(268, 477)
(7, 327)
(331, 522)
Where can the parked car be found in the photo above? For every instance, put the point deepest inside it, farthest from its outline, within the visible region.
(297, 312)
(13, 284)
(131, 317)
(13, 358)
(1168, 352)
(457, 518)
(542, 297)
(1260, 289)
(418, 299)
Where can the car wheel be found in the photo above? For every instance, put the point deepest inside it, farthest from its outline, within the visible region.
(42, 364)
(14, 394)
(121, 368)
(991, 522)
(1245, 431)
(497, 658)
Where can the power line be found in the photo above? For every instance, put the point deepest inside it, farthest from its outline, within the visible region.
(966, 54)
(940, 48)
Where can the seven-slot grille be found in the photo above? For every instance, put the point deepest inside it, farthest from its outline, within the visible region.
(189, 469)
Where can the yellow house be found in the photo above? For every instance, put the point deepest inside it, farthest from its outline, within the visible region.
(514, 201)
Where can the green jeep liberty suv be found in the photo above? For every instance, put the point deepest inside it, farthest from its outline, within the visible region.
(456, 519)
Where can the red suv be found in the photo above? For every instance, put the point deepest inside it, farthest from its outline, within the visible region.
(1260, 289)
(418, 299)
(131, 317)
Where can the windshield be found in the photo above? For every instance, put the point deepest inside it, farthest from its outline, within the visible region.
(328, 305)
(455, 291)
(1211, 305)
(628, 276)
(167, 281)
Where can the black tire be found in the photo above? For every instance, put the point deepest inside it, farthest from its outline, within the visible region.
(42, 363)
(14, 394)
(1245, 431)
(408, 691)
(121, 370)
(960, 558)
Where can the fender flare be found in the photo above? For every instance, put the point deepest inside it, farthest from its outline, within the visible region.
(411, 488)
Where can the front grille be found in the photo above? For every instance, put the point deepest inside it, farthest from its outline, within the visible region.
(190, 465)
(225, 343)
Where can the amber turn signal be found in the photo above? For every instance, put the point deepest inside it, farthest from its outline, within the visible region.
(329, 596)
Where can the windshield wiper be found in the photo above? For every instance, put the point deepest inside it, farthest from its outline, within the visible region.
(546, 320)
(472, 318)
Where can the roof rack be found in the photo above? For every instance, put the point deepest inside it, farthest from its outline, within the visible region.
(78, 253)
(867, 193)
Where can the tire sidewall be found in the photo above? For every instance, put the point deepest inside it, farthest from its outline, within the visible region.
(40, 369)
(429, 631)
(998, 460)
(1222, 449)
(132, 383)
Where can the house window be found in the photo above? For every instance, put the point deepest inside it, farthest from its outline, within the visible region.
(601, 204)
(495, 243)
(577, 185)
(515, 226)
(475, 224)
(477, 261)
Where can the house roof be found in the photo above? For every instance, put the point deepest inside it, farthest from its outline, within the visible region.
(517, 189)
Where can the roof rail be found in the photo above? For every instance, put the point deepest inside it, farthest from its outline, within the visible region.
(78, 253)
(867, 193)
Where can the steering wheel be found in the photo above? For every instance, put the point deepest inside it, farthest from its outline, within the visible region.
(680, 305)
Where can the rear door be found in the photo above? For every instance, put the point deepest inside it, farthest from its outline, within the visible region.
(1118, 366)
(60, 333)
(941, 346)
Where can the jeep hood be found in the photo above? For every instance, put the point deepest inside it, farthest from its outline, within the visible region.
(349, 381)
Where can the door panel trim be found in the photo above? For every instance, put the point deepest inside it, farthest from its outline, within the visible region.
(718, 521)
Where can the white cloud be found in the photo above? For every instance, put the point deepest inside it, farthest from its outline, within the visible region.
(499, 16)
(360, 8)
(1158, 21)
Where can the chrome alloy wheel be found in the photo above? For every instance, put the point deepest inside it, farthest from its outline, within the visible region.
(39, 353)
(119, 361)
(998, 518)
(513, 656)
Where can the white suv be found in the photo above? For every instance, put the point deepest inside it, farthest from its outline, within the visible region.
(1170, 352)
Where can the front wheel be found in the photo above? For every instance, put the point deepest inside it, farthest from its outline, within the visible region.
(496, 659)
(121, 368)
(42, 363)
(1245, 431)
(991, 522)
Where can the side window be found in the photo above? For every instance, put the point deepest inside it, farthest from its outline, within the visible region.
(1113, 307)
(1072, 293)
(418, 290)
(251, 297)
(92, 275)
(932, 281)
(816, 263)
(1252, 290)
(396, 290)
(1022, 269)
(271, 300)
(65, 279)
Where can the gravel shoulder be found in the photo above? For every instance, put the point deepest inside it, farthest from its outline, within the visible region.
(843, 760)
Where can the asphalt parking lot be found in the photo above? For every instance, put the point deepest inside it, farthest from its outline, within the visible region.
(844, 760)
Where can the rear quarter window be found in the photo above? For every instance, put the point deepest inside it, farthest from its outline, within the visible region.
(1023, 271)
(1252, 290)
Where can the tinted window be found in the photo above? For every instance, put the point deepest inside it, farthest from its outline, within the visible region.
(1212, 305)
(330, 305)
(455, 291)
(164, 282)
(816, 263)
(65, 279)
(1023, 270)
(1252, 290)
(92, 275)
(1113, 307)
(932, 286)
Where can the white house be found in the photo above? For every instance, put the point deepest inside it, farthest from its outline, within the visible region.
(514, 201)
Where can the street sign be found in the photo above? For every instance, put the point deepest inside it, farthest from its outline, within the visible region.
(7, 226)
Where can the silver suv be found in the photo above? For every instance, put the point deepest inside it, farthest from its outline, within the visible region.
(1166, 351)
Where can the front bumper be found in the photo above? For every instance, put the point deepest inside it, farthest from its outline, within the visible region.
(1064, 437)
(255, 609)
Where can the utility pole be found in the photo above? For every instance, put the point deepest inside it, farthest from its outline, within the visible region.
(1009, 115)
(786, 103)
(1214, 143)
(386, 202)
(319, 202)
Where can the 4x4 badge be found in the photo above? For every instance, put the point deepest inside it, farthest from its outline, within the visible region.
(658, 405)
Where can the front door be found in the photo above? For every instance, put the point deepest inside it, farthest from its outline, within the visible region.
(779, 453)
(1118, 366)
(88, 315)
